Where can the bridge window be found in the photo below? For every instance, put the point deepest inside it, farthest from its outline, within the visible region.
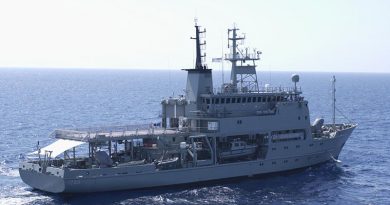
(222, 100)
(233, 100)
(208, 101)
(254, 99)
(243, 100)
(258, 99)
(238, 100)
(227, 100)
(263, 99)
(216, 100)
(268, 99)
(249, 99)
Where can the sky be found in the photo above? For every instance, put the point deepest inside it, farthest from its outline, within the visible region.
(296, 35)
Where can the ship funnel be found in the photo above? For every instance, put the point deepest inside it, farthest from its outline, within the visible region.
(199, 79)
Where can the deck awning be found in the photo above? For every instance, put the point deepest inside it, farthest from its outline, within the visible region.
(59, 146)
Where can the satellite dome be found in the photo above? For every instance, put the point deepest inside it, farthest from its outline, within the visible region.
(295, 78)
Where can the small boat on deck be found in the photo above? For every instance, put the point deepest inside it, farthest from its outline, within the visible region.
(238, 148)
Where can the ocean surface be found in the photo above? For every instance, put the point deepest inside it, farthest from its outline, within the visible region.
(33, 102)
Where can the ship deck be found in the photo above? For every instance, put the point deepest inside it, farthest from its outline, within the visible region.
(114, 133)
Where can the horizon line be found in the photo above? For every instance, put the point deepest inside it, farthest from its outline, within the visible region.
(175, 69)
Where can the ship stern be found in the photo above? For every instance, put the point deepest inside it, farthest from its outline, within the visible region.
(49, 179)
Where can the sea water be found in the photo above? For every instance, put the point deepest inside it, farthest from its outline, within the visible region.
(34, 102)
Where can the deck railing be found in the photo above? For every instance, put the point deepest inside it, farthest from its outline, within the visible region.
(86, 134)
(276, 90)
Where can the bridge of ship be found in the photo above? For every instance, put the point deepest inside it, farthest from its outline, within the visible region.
(265, 91)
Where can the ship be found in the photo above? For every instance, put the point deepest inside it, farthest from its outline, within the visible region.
(206, 134)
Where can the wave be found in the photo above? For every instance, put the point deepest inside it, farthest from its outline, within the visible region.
(5, 170)
(22, 195)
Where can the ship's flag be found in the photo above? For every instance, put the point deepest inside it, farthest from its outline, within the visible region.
(216, 60)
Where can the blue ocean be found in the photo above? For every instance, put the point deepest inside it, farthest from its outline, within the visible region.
(34, 102)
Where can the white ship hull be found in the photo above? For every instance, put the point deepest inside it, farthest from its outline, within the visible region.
(110, 179)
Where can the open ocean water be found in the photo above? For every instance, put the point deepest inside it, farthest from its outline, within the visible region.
(33, 102)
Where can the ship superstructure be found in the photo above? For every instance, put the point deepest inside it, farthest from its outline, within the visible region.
(205, 134)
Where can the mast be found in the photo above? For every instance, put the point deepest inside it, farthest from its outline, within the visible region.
(334, 102)
(243, 74)
(233, 56)
(223, 75)
(198, 64)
